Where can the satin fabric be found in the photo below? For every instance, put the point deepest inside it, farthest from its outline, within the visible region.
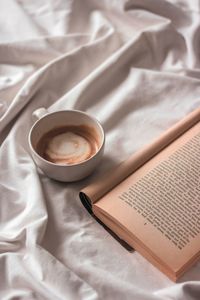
(134, 65)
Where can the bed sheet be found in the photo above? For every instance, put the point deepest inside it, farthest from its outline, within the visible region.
(134, 65)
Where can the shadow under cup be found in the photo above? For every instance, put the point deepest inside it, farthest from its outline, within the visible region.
(66, 172)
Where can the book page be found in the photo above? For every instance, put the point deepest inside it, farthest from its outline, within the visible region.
(160, 203)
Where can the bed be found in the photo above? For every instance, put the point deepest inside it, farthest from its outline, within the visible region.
(134, 65)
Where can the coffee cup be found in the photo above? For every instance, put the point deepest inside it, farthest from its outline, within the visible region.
(66, 145)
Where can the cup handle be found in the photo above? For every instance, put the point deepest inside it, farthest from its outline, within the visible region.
(39, 113)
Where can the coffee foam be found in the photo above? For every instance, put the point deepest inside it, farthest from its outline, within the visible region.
(68, 147)
(69, 144)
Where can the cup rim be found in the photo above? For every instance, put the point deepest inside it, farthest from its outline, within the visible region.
(61, 111)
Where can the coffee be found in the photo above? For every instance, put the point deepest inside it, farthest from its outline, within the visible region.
(68, 144)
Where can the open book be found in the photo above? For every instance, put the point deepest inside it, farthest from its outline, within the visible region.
(152, 200)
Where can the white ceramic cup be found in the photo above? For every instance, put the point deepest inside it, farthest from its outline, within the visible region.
(47, 121)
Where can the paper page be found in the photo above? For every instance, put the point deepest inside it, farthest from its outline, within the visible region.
(160, 202)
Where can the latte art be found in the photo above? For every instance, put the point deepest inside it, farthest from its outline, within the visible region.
(68, 145)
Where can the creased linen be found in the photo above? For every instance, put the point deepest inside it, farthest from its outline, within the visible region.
(134, 65)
